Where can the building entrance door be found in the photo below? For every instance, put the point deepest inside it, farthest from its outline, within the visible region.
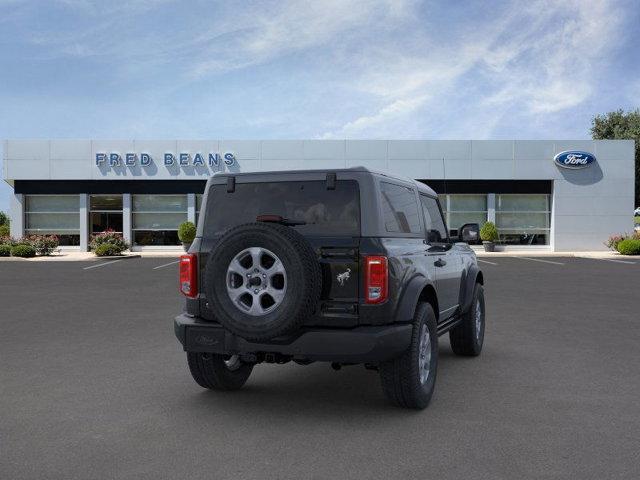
(106, 213)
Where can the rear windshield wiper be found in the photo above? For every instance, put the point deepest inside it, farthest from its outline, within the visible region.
(279, 219)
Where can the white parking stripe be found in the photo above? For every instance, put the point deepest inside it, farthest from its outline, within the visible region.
(539, 260)
(612, 260)
(102, 264)
(166, 265)
(486, 261)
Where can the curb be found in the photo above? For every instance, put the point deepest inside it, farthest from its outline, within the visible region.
(115, 257)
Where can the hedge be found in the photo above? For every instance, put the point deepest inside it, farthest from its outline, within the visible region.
(5, 250)
(108, 250)
(108, 237)
(629, 246)
(23, 250)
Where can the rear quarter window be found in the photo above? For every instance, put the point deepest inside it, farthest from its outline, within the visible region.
(324, 212)
(399, 209)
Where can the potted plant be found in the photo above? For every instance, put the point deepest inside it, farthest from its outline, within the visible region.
(186, 234)
(489, 235)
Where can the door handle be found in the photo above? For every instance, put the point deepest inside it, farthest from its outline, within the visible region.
(440, 263)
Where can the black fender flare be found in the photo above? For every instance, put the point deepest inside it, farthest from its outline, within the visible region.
(410, 296)
(469, 280)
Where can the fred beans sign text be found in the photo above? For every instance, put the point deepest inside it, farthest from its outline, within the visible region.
(213, 160)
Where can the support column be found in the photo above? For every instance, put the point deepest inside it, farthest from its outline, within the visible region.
(491, 207)
(17, 215)
(552, 221)
(84, 222)
(126, 219)
(191, 207)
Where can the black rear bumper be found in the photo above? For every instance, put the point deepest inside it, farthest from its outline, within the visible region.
(356, 345)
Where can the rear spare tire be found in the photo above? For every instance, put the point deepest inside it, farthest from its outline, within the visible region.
(262, 280)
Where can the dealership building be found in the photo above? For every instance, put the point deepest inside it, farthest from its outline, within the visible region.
(542, 194)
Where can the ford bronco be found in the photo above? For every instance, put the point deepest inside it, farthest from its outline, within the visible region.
(346, 266)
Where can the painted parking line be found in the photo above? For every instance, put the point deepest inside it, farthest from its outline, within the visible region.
(166, 265)
(539, 260)
(101, 264)
(611, 260)
(487, 261)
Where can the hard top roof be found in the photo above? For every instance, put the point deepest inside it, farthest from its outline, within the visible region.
(358, 169)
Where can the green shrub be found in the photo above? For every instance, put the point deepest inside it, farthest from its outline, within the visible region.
(108, 250)
(44, 244)
(613, 241)
(5, 250)
(23, 250)
(4, 218)
(489, 232)
(108, 237)
(187, 232)
(4, 231)
(629, 246)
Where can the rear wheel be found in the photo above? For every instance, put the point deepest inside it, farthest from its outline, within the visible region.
(408, 381)
(468, 336)
(218, 372)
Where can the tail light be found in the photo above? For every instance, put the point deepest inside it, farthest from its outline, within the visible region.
(376, 274)
(188, 278)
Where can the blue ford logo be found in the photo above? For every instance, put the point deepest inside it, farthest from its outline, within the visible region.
(574, 159)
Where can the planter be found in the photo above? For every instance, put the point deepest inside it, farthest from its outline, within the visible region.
(489, 246)
(186, 246)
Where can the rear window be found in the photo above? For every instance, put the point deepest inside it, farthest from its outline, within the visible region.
(324, 212)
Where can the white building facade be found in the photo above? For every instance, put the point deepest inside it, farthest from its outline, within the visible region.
(554, 195)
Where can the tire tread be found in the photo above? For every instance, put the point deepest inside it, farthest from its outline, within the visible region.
(213, 374)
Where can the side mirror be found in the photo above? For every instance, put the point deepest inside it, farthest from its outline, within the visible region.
(469, 233)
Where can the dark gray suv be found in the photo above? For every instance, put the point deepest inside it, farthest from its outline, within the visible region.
(346, 266)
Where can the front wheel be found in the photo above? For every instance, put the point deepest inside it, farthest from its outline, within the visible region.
(468, 336)
(218, 372)
(408, 381)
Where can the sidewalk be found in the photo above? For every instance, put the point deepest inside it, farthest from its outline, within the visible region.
(75, 256)
(548, 253)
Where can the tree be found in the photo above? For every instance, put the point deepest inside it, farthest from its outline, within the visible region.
(620, 125)
(4, 218)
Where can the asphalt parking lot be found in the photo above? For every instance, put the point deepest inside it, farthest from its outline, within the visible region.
(93, 384)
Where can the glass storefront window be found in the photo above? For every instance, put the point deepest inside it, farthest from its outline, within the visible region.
(523, 219)
(106, 213)
(54, 215)
(464, 208)
(156, 218)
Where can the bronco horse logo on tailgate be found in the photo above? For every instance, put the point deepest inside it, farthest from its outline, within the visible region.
(343, 277)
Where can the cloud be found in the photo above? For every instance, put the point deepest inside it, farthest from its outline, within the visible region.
(552, 65)
(363, 68)
(542, 58)
(291, 26)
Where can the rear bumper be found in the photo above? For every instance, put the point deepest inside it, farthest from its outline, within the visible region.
(356, 345)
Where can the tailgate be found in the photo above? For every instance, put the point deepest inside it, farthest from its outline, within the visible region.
(339, 261)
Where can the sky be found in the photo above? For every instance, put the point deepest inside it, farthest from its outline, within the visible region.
(286, 69)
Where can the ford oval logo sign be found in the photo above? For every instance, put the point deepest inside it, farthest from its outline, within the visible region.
(574, 159)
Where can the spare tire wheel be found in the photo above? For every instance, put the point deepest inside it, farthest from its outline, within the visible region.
(262, 280)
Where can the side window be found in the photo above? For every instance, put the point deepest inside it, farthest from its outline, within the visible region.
(436, 230)
(400, 210)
